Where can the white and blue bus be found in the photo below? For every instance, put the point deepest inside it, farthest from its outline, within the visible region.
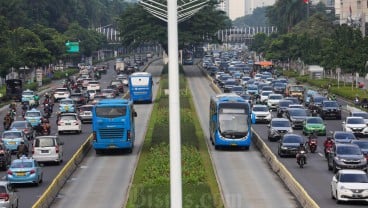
(140, 87)
(113, 125)
(230, 121)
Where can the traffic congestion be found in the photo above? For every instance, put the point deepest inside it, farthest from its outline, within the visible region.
(299, 123)
(34, 126)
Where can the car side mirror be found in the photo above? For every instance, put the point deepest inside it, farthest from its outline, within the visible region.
(334, 179)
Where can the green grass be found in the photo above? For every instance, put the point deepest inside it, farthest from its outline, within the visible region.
(151, 185)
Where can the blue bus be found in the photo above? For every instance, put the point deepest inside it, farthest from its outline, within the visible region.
(140, 87)
(113, 125)
(230, 121)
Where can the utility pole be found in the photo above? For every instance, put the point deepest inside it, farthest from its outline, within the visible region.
(172, 14)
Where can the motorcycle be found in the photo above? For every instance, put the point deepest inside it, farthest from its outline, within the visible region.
(47, 110)
(312, 144)
(43, 130)
(302, 158)
(356, 101)
(314, 112)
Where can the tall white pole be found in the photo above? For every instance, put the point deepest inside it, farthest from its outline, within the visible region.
(174, 107)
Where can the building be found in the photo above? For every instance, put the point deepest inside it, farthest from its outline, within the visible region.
(351, 11)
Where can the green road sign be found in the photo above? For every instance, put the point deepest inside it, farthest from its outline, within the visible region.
(72, 47)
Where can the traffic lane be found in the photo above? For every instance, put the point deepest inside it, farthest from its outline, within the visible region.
(315, 176)
(100, 175)
(28, 195)
(244, 177)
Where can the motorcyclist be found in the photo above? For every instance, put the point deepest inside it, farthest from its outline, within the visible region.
(45, 124)
(36, 98)
(300, 150)
(7, 121)
(22, 149)
(13, 106)
(328, 143)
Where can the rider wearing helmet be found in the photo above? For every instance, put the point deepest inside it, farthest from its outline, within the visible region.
(300, 149)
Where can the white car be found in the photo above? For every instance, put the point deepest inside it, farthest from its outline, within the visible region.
(350, 185)
(261, 113)
(264, 96)
(48, 149)
(94, 85)
(69, 122)
(91, 94)
(85, 82)
(355, 125)
(362, 114)
(8, 195)
(273, 101)
(61, 93)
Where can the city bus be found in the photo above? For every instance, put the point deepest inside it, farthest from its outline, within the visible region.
(230, 121)
(188, 57)
(140, 87)
(113, 125)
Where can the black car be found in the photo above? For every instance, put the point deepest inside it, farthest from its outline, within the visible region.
(79, 99)
(279, 88)
(296, 117)
(329, 109)
(316, 102)
(282, 107)
(289, 145)
(346, 156)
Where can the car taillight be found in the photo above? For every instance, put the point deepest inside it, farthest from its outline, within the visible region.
(26, 131)
(75, 123)
(4, 196)
(10, 172)
(32, 171)
(94, 136)
(128, 135)
(57, 148)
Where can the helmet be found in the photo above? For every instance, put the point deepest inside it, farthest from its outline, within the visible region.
(329, 138)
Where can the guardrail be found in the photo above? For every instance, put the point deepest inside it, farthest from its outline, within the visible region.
(293, 185)
(57, 184)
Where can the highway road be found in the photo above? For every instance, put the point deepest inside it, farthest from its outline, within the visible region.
(315, 177)
(103, 180)
(29, 194)
(244, 177)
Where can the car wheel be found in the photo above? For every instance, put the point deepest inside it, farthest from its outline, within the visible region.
(334, 168)
(60, 132)
(279, 153)
(328, 165)
(338, 201)
(332, 195)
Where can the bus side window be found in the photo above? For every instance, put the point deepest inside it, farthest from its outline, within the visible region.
(214, 116)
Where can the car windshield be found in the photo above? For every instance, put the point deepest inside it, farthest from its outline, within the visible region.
(266, 93)
(353, 178)
(292, 139)
(21, 164)
(362, 144)
(66, 102)
(279, 85)
(363, 115)
(348, 150)
(297, 88)
(86, 108)
(316, 120)
(355, 121)
(344, 136)
(275, 97)
(280, 124)
(33, 114)
(330, 104)
(260, 108)
(298, 112)
(27, 93)
(319, 99)
(68, 117)
(252, 87)
(237, 88)
(49, 142)
(284, 104)
(18, 125)
(12, 135)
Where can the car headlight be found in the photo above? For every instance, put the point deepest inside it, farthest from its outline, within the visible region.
(290, 130)
(284, 148)
(342, 188)
(348, 129)
(268, 116)
(338, 159)
(364, 160)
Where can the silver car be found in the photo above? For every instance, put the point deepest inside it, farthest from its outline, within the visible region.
(85, 113)
(277, 128)
(8, 195)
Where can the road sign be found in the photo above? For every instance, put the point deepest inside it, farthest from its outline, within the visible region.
(338, 70)
(72, 47)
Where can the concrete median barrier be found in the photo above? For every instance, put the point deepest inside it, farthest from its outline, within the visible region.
(293, 185)
(56, 185)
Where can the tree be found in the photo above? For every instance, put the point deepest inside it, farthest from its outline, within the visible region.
(258, 18)
(137, 27)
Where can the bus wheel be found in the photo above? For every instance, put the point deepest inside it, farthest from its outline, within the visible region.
(130, 150)
(217, 147)
(98, 152)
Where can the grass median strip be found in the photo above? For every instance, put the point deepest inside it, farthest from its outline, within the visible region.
(151, 184)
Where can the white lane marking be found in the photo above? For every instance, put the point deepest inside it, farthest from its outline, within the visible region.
(320, 154)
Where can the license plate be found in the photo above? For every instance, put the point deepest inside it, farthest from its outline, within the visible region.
(11, 143)
(68, 124)
(233, 144)
(44, 151)
(112, 146)
(21, 174)
(87, 113)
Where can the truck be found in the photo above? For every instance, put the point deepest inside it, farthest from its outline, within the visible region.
(295, 90)
(119, 66)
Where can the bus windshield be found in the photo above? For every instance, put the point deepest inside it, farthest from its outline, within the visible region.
(140, 81)
(111, 111)
(233, 120)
